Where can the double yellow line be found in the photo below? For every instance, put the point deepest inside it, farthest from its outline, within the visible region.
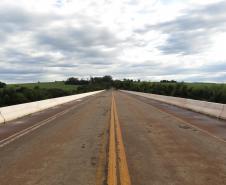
(118, 172)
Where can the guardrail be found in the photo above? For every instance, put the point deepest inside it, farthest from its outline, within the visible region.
(16, 111)
(213, 109)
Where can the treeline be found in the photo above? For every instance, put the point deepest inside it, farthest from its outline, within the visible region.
(11, 95)
(198, 91)
(92, 84)
(105, 82)
(17, 95)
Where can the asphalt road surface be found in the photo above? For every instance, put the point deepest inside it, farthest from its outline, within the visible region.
(113, 138)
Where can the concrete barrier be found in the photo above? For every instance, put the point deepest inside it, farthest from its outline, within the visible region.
(209, 108)
(2, 120)
(16, 111)
(223, 113)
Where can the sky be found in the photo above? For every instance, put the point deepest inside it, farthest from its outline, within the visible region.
(49, 40)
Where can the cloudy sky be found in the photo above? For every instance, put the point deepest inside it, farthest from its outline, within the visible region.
(48, 40)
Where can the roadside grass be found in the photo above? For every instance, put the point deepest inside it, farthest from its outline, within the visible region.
(46, 85)
(198, 85)
(201, 84)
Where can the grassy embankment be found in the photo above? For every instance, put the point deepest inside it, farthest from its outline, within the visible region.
(13, 94)
(46, 85)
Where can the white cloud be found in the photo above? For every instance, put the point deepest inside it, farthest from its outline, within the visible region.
(157, 39)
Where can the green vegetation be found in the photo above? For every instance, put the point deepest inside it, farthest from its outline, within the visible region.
(22, 93)
(200, 91)
(46, 85)
(2, 84)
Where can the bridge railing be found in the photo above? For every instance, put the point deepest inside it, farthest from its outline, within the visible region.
(213, 109)
(16, 111)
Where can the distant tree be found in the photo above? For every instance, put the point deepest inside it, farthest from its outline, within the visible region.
(76, 81)
(72, 81)
(168, 81)
(107, 78)
(104, 82)
(2, 84)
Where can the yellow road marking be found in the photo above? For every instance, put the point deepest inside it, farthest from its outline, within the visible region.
(117, 151)
(123, 167)
(112, 176)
